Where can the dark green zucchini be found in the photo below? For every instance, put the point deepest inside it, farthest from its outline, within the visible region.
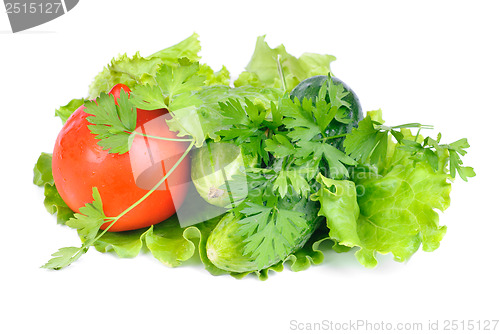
(309, 88)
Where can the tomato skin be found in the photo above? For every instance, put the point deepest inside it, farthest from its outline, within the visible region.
(79, 164)
(115, 91)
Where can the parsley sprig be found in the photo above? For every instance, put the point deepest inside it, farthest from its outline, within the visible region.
(292, 140)
(173, 84)
(269, 224)
(91, 218)
(368, 144)
(440, 155)
(113, 124)
(246, 125)
(270, 232)
(304, 137)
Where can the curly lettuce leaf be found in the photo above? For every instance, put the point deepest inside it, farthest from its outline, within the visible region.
(199, 115)
(138, 70)
(42, 177)
(130, 71)
(394, 213)
(220, 77)
(188, 48)
(167, 242)
(170, 244)
(302, 259)
(42, 171)
(263, 71)
(371, 143)
(126, 244)
(65, 111)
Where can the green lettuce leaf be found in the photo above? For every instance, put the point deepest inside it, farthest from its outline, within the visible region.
(138, 70)
(200, 115)
(392, 213)
(170, 244)
(188, 48)
(263, 71)
(167, 242)
(129, 71)
(65, 111)
(55, 204)
(220, 77)
(310, 254)
(126, 244)
(42, 171)
(42, 177)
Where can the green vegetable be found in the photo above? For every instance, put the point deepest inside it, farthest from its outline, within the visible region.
(215, 164)
(196, 108)
(370, 144)
(312, 88)
(138, 71)
(65, 111)
(141, 70)
(263, 70)
(295, 168)
(277, 232)
(391, 213)
(112, 124)
(42, 177)
(304, 138)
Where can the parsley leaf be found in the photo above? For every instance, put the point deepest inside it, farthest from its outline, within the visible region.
(335, 158)
(270, 232)
(88, 223)
(299, 119)
(90, 218)
(369, 143)
(64, 257)
(171, 81)
(148, 97)
(457, 149)
(178, 80)
(271, 225)
(431, 151)
(305, 138)
(137, 70)
(366, 143)
(280, 146)
(247, 126)
(294, 178)
(112, 124)
(173, 90)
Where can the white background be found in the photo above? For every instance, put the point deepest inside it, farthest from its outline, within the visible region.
(434, 62)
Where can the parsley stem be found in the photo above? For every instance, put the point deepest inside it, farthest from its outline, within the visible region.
(336, 136)
(115, 219)
(280, 72)
(418, 133)
(405, 126)
(161, 138)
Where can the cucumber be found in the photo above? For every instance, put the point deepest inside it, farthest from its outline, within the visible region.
(213, 165)
(309, 88)
(225, 248)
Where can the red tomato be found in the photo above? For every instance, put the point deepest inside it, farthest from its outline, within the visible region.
(79, 163)
(115, 91)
